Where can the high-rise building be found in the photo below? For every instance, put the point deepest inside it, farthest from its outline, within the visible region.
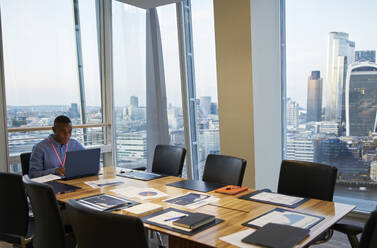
(373, 171)
(292, 112)
(365, 55)
(361, 99)
(300, 148)
(214, 108)
(314, 99)
(74, 110)
(205, 105)
(340, 55)
(134, 101)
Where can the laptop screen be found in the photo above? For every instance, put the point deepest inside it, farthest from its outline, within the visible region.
(82, 163)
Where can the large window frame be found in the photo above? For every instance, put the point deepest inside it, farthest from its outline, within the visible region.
(104, 34)
(282, 27)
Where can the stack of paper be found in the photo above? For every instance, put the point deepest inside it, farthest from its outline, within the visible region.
(47, 178)
(143, 209)
(104, 182)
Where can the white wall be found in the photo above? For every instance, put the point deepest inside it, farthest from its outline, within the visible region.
(266, 67)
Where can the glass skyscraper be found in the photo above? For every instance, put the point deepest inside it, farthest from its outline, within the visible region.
(340, 55)
(361, 99)
(365, 55)
(314, 100)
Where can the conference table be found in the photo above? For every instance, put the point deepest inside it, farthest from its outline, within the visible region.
(229, 208)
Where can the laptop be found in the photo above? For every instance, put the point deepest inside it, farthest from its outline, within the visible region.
(82, 163)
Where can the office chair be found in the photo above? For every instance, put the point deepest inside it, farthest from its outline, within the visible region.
(25, 162)
(50, 231)
(311, 180)
(101, 229)
(369, 236)
(168, 160)
(306, 179)
(16, 226)
(224, 169)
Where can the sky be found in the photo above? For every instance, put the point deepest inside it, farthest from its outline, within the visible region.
(308, 23)
(41, 60)
(40, 52)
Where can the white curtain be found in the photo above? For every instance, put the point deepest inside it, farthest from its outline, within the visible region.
(157, 119)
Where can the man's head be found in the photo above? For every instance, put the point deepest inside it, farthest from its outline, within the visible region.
(62, 129)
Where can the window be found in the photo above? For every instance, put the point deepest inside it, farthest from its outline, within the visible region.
(170, 48)
(205, 79)
(42, 70)
(140, 90)
(331, 89)
(129, 61)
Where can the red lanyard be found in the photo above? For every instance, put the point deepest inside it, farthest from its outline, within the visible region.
(57, 155)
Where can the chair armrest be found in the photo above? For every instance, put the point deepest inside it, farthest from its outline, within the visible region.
(347, 228)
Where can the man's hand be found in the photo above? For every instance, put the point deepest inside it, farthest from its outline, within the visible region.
(60, 171)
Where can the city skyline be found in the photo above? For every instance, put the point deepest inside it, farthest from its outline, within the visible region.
(307, 37)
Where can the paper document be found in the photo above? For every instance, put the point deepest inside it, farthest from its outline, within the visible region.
(286, 217)
(141, 193)
(168, 218)
(276, 198)
(104, 182)
(192, 200)
(47, 178)
(104, 202)
(235, 238)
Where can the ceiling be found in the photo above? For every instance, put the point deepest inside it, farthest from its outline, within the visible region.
(147, 4)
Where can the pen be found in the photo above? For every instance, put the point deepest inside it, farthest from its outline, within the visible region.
(108, 184)
(175, 218)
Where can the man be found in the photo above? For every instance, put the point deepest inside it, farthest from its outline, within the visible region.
(49, 155)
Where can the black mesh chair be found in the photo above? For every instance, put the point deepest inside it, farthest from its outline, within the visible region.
(224, 170)
(311, 180)
(101, 229)
(49, 231)
(369, 236)
(25, 162)
(168, 160)
(16, 226)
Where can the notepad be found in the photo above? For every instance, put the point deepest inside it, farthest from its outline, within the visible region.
(104, 202)
(231, 190)
(277, 236)
(142, 210)
(194, 220)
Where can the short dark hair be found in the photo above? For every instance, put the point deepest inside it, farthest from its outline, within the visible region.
(62, 119)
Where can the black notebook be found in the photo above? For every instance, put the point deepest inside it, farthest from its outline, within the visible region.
(60, 188)
(194, 220)
(277, 236)
(196, 185)
(104, 202)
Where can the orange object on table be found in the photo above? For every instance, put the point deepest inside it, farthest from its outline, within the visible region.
(231, 190)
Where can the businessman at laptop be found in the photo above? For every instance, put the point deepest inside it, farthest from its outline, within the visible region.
(49, 155)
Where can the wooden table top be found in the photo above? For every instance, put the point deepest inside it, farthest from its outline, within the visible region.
(232, 210)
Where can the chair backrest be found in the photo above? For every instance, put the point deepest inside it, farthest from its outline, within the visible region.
(25, 162)
(168, 160)
(306, 179)
(14, 210)
(94, 229)
(369, 236)
(48, 222)
(224, 169)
